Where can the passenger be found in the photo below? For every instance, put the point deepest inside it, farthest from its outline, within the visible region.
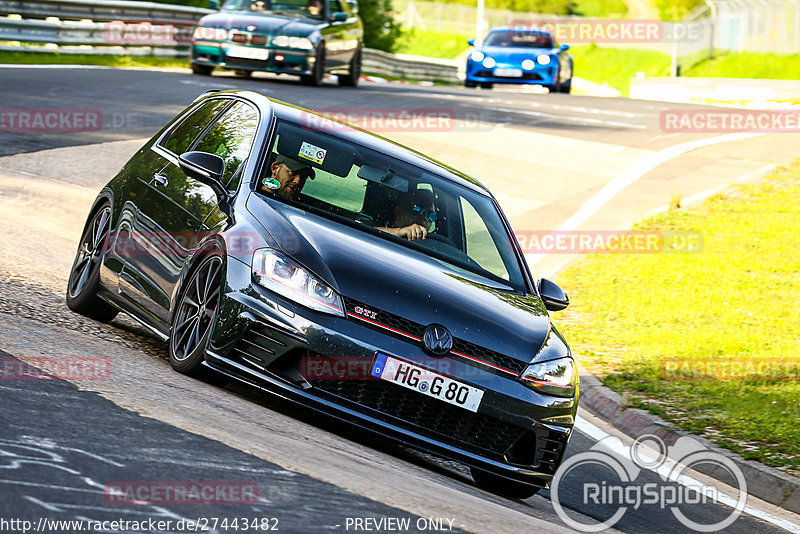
(288, 176)
(314, 8)
(413, 216)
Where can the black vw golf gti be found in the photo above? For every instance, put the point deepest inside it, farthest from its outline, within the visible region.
(343, 271)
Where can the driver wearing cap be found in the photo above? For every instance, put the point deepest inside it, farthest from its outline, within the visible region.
(288, 176)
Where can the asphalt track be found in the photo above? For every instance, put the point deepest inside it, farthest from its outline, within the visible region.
(61, 444)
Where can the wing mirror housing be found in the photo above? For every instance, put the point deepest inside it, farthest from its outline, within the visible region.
(554, 298)
(471, 42)
(213, 4)
(206, 168)
(339, 16)
(564, 47)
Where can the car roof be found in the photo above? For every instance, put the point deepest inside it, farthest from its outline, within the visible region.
(353, 134)
(522, 30)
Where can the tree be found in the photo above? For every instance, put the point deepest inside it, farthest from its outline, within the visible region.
(380, 29)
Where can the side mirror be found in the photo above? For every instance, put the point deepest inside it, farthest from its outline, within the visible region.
(564, 47)
(471, 42)
(213, 4)
(339, 16)
(554, 298)
(206, 168)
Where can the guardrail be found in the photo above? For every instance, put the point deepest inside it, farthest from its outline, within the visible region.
(146, 28)
(102, 10)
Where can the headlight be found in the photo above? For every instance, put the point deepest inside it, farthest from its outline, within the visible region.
(476, 55)
(543, 59)
(528, 64)
(555, 377)
(489, 63)
(281, 274)
(285, 41)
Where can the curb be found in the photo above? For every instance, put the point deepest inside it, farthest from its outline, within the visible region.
(764, 482)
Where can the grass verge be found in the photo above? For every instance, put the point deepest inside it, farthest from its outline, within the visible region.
(707, 340)
(54, 58)
(447, 45)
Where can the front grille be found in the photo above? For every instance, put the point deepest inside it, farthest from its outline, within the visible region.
(427, 416)
(417, 330)
(550, 447)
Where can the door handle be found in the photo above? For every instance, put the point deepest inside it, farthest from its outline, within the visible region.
(160, 179)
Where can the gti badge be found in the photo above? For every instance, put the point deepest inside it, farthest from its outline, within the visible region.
(437, 340)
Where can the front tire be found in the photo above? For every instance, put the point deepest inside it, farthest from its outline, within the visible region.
(202, 70)
(241, 73)
(84, 277)
(470, 84)
(194, 316)
(318, 72)
(501, 486)
(354, 74)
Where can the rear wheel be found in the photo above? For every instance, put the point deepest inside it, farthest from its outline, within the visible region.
(194, 315)
(84, 278)
(203, 70)
(354, 74)
(318, 71)
(502, 486)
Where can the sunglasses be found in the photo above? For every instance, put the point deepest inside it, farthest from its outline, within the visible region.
(428, 213)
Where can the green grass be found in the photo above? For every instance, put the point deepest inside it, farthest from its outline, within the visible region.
(601, 8)
(749, 65)
(433, 44)
(616, 67)
(708, 340)
(90, 59)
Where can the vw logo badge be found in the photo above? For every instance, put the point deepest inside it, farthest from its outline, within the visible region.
(437, 340)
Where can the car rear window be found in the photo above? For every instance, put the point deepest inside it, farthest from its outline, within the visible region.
(381, 195)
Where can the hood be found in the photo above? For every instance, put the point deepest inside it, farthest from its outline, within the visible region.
(514, 54)
(265, 24)
(406, 282)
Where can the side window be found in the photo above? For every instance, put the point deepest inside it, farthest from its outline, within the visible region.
(334, 7)
(480, 246)
(180, 138)
(231, 139)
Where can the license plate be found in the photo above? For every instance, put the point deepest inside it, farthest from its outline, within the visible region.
(248, 53)
(508, 73)
(427, 382)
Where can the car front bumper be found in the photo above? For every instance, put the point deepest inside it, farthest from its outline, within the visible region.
(263, 339)
(539, 75)
(299, 62)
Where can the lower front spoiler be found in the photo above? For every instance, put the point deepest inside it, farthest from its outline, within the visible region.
(286, 390)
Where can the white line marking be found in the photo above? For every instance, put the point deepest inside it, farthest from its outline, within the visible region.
(632, 173)
(578, 120)
(597, 434)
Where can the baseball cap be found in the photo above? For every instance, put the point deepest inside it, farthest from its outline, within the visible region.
(295, 166)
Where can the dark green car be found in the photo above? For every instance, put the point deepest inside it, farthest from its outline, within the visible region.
(308, 38)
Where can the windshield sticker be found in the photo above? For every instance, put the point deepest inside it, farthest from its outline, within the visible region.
(271, 183)
(312, 153)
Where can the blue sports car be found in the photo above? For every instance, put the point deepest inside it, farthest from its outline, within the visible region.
(520, 56)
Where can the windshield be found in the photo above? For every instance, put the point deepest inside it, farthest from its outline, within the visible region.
(392, 199)
(306, 8)
(518, 38)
